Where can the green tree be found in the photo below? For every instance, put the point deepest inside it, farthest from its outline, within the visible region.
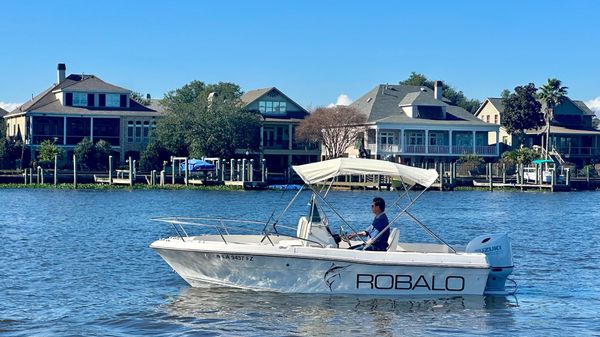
(455, 97)
(153, 156)
(102, 150)
(10, 148)
(138, 97)
(505, 93)
(552, 94)
(47, 151)
(206, 120)
(522, 111)
(522, 155)
(84, 152)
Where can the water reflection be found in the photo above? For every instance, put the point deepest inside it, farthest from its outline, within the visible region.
(240, 311)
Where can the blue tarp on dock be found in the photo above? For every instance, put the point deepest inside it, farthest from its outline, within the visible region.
(197, 165)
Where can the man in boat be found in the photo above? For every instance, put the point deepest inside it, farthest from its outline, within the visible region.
(379, 224)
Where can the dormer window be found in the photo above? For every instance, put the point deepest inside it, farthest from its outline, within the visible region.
(80, 99)
(113, 100)
(272, 107)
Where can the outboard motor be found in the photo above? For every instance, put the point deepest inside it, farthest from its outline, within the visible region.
(498, 250)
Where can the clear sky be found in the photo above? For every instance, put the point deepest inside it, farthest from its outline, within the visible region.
(314, 51)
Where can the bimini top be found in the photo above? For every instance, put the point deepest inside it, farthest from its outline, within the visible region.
(324, 170)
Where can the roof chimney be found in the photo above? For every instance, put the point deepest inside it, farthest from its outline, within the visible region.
(60, 72)
(438, 90)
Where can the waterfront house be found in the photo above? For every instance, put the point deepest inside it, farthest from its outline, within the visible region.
(79, 106)
(571, 133)
(280, 117)
(415, 124)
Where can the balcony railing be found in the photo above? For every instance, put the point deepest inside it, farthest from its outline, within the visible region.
(276, 144)
(578, 151)
(486, 149)
(432, 149)
(439, 149)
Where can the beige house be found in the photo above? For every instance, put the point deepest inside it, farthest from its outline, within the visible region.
(489, 112)
(83, 106)
(571, 133)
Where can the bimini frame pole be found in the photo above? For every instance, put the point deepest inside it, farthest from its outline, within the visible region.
(405, 210)
(279, 217)
(334, 210)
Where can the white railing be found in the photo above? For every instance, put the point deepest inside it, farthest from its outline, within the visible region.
(415, 149)
(486, 149)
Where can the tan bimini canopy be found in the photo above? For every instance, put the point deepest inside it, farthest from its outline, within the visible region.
(325, 170)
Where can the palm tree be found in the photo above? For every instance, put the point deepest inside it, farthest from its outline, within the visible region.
(552, 94)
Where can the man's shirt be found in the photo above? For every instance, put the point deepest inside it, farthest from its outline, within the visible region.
(379, 224)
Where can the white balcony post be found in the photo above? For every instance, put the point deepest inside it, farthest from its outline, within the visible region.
(64, 130)
(402, 141)
(92, 130)
(497, 142)
(426, 141)
(290, 134)
(474, 142)
(450, 141)
(376, 142)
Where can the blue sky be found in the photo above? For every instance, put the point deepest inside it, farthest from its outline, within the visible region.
(314, 51)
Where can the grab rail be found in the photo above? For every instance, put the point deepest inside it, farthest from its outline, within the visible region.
(179, 222)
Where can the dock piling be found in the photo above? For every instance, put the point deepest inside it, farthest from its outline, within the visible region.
(55, 169)
(74, 171)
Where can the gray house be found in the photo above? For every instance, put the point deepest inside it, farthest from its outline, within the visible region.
(414, 124)
(280, 117)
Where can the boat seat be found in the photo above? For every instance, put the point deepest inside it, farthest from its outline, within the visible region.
(303, 228)
(393, 240)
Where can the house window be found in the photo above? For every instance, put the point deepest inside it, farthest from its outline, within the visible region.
(487, 118)
(495, 119)
(415, 138)
(113, 100)
(272, 107)
(138, 131)
(80, 99)
(130, 132)
(436, 138)
(146, 131)
(386, 137)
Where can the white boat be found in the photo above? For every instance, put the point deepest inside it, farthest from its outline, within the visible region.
(315, 260)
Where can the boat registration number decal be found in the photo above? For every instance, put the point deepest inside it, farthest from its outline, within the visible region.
(235, 257)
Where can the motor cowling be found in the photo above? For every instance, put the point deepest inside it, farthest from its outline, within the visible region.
(498, 251)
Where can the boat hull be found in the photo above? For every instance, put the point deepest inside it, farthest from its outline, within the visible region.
(298, 273)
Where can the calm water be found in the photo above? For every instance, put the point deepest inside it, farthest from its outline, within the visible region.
(76, 263)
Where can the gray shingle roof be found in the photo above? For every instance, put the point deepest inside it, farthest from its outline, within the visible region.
(252, 95)
(46, 101)
(420, 98)
(382, 105)
(497, 103)
(3, 112)
(90, 83)
(583, 107)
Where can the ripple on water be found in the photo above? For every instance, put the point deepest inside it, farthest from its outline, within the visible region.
(78, 263)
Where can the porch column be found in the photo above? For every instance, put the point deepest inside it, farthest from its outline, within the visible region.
(497, 142)
(402, 141)
(474, 149)
(376, 142)
(450, 140)
(92, 130)
(261, 144)
(64, 130)
(290, 130)
(426, 141)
